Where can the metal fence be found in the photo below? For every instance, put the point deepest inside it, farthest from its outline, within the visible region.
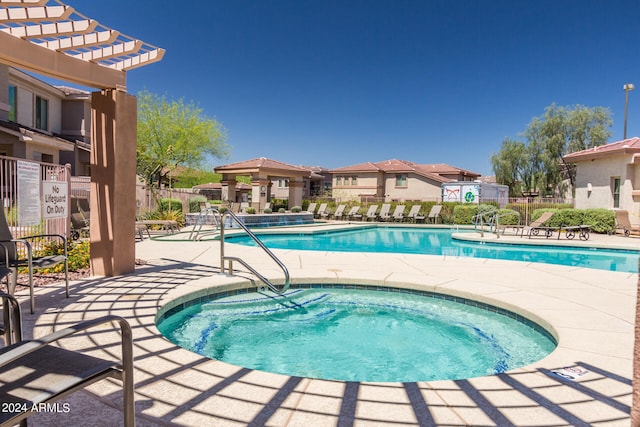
(21, 189)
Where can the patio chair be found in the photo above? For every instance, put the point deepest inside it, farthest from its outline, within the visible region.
(11, 326)
(16, 253)
(321, 210)
(79, 226)
(371, 213)
(312, 208)
(398, 213)
(534, 228)
(414, 214)
(353, 214)
(434, 213)
(384, 212)
(36, 372)
(623, 223)
(339, 213)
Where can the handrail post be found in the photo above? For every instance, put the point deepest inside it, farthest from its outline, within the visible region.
(222, 245)
(287, 279)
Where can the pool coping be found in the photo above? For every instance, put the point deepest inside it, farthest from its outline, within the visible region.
(592, 312)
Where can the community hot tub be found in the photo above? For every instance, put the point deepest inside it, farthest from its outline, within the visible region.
(356, 333)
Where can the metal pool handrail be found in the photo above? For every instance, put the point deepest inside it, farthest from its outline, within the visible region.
(196, 231)
(274, 288)
(482, 218)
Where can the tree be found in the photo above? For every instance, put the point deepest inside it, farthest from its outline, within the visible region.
(560, 130)
(173, 133)
(509, 166)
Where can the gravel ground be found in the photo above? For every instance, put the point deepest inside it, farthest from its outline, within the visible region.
(47, 279)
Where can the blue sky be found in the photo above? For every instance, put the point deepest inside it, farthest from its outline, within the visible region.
(340, 82)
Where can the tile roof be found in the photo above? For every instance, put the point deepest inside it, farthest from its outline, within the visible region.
(626, 146)
(432, 171)
(261, 163)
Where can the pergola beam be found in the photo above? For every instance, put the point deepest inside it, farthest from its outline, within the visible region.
(111, 51)
(10, 3)
(35, 14)
(21, 53)
(52, 29)
(82, 40)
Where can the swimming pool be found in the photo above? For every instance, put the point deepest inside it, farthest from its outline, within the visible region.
(364, 334)
(432, 241)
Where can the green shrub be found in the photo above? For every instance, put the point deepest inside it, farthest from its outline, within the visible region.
(463, 214)
(567, 217)
(251, 211)
(170, 205)
(174, 215)
(600, 220)
(267, 210)
(282, 210)
(508, 217)
(77, 252)
(194, 203)
(296, 209)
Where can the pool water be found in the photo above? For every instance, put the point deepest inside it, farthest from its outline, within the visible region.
(439, 242)
(356, 335)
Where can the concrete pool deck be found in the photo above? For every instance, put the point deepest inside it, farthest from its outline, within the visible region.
(590, 311)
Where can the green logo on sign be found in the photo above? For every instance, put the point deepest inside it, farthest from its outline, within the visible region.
(469, 197)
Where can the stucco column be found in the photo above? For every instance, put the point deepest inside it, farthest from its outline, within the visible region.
(113, 182)
(228, 189)
(259, 193)
(296, 185)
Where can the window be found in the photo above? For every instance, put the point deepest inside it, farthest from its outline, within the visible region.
(338, 180)
(354, 180)
(401, 180)
(616, 192)
(13, 104)
(42, 113)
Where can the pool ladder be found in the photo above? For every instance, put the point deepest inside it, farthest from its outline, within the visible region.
(196, 232)
(230, 259)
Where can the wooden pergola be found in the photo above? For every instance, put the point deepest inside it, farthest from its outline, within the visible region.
(51, 38)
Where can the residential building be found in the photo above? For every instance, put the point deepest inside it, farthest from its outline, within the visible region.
(608, 176)
(42, 122)
(395, 180)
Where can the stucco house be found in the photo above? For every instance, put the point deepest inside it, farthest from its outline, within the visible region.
(42, 122)
(394, 179)
(608, 176)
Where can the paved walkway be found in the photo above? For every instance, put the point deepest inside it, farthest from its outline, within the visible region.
(590, 311)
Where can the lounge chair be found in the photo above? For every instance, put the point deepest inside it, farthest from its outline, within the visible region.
(321, 210)
(623, 223)
(384, 212)
(36, 372)
(371, 213)
(339, 213)
(16, 253)
(398, 213)
(434, 213)
(79, 226)
(312, 208)
(353, 214)
(534, 228)
(414, 214)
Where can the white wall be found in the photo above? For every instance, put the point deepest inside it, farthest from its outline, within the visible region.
(600, 173)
